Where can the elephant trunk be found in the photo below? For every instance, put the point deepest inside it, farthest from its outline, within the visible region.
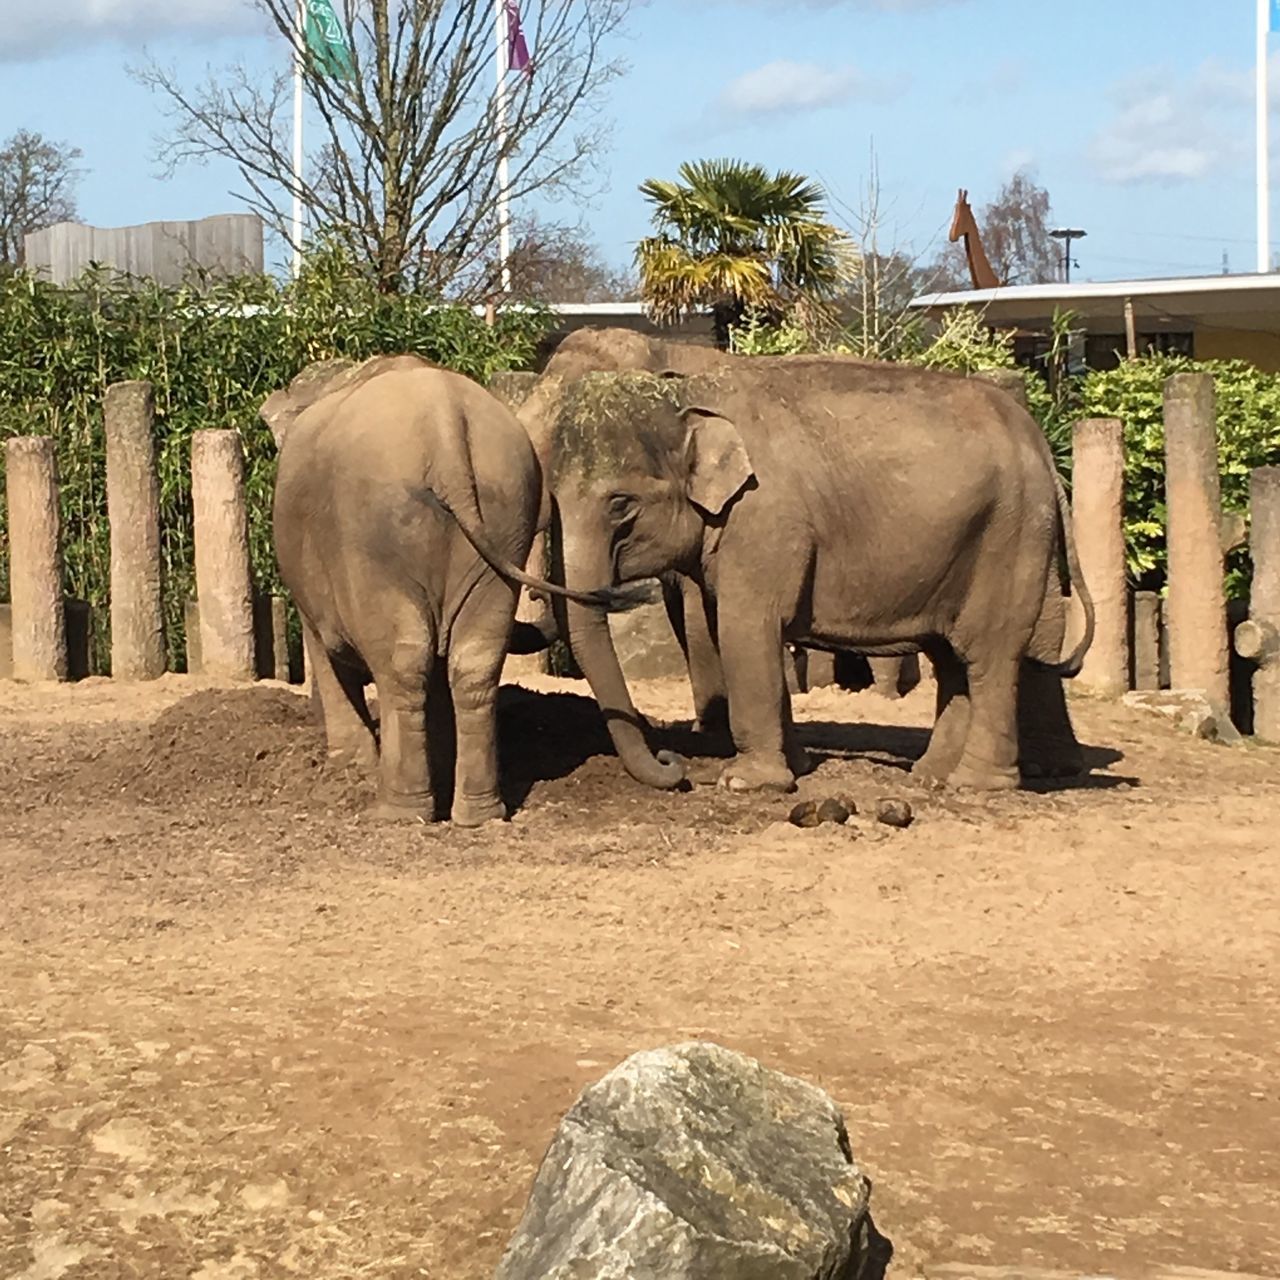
(592, 644)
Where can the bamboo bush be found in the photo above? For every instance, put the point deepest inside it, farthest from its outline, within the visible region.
(213, 351)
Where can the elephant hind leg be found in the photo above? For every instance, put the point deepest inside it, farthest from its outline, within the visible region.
(990, 758)
(339, 689)
(476, 650)
(1047, 742)
(402, 676)
(951, 723)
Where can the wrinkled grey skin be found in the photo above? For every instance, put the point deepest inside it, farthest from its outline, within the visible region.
(406, 496)
(835, 505)
(1047, 742)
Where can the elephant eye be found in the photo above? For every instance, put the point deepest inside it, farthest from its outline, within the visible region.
(622, 507)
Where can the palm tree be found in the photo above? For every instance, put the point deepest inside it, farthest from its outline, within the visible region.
(732, 236)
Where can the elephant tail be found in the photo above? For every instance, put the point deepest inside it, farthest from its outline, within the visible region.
(610, 599)
(1070, 666)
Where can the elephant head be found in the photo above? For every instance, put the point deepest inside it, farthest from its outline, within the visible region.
(641, 466)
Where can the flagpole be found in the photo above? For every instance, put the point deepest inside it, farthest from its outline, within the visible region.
(504, 176)
(298, 38)
(1264, 158)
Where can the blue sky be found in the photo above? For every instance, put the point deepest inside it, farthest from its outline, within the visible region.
(1137, 115)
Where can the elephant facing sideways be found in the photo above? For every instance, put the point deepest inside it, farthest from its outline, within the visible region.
(1047, 741)
(406, 496)
(878, 508)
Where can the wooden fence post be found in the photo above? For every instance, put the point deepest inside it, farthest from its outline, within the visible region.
(35, 560)
(223, 582)
(1097, 501)
(1196, 607)
(1258, 639)
(1146, 640)
(133, 512)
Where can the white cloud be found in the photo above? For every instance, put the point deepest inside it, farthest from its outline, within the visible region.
(784, 86)
(39, 28)
(1170, 129)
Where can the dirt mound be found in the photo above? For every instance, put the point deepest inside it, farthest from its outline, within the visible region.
(243, 746)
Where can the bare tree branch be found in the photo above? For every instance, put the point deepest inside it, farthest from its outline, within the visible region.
(404, 175)
(37, 189)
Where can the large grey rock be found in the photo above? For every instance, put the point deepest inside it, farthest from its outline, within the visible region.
(696, 1163)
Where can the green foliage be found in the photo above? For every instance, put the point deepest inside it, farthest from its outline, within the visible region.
(213, 352)
(731, 235)
(757, 337)
(1248, 425)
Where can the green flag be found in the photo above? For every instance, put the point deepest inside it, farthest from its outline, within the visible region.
(326, 42)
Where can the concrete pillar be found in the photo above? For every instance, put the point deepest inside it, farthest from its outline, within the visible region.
(815, 668)
(35, 560)
(1258, 639)
(223, 582)
(133, 511)
(1196, 607)
(1097, 507)
(78, 616)
(6, 642)
(270, 638)
(1146, 640)
(191, 630)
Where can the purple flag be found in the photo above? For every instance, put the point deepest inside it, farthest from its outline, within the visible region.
(517, 50)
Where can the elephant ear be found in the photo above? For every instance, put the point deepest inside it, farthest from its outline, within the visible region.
(719, 467)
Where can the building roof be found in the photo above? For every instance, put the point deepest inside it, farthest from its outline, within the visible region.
(1247, 302)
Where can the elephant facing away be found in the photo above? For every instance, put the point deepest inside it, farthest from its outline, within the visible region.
(877, 508)
(1047, 742)
(406, 496)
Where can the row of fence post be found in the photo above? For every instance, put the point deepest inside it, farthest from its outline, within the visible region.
(230, 632)
(1193, 623)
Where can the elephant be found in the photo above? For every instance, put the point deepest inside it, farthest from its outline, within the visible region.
(1047, 742)
(833, 504)
(406, 499)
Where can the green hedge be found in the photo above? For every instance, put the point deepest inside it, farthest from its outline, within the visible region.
(1248, 423)
(213, 354)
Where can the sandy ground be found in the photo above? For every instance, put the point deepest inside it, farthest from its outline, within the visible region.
(245, 1033)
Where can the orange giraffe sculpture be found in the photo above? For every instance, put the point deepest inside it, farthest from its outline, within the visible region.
(966, 225)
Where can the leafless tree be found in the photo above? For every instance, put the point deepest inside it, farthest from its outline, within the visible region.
(37, 188)
(876, 315)
(406, 176)
(1015, 232)
(551, 262)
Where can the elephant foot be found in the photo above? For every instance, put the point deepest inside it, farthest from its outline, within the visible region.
(983, 777)
(475, 811)
(405, 809)
(935, 767)
(758, 773)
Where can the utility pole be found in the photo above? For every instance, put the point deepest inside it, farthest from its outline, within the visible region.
(1067, 235)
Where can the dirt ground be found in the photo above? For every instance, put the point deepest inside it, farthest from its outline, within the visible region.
(245, 1033)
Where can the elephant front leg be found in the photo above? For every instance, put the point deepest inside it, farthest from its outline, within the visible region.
(759, 709)
(690, 616)
(404, 792)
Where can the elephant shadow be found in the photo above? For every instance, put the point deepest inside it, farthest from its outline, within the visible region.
(900, 746)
